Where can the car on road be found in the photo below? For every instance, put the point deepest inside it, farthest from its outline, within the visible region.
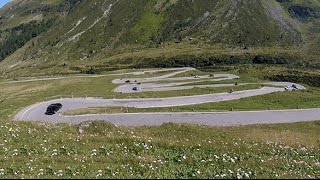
(287, 88)
(293, 87)
(53, 108)
(135, 88)
(127, 81)
(196, 76)
(58, 104)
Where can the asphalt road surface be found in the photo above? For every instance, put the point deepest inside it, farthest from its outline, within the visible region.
(36, 112)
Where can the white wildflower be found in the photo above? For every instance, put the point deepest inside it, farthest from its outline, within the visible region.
(1, 172)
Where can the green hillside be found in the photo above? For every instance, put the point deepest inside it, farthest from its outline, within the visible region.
(75, 35)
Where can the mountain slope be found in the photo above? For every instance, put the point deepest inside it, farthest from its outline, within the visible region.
(86, 33)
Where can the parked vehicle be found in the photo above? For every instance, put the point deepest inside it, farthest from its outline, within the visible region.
(135, 88)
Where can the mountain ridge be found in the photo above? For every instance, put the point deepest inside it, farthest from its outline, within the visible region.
(90, 33)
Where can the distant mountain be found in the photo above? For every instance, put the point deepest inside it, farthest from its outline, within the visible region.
(68, 36)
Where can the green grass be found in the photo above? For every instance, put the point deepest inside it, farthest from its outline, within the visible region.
(101, 150)
(187, 92)
(147, 25)
(100, 110)
(218, 82)
(190, 73)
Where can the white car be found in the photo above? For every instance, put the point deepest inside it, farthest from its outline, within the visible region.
(288, 88)
(291, 88)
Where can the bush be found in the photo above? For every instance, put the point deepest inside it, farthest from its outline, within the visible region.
(209, 60)
(266, 59)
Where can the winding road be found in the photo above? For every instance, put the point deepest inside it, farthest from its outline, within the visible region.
(36, 112)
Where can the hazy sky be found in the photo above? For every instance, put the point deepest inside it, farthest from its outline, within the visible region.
(3, 2)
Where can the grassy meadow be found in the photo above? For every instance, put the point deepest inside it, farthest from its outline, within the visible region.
(101, 150)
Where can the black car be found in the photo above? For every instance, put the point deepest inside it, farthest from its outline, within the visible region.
(294, 86)
(53, 108)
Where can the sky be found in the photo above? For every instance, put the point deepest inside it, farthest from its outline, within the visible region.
(3, 2)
